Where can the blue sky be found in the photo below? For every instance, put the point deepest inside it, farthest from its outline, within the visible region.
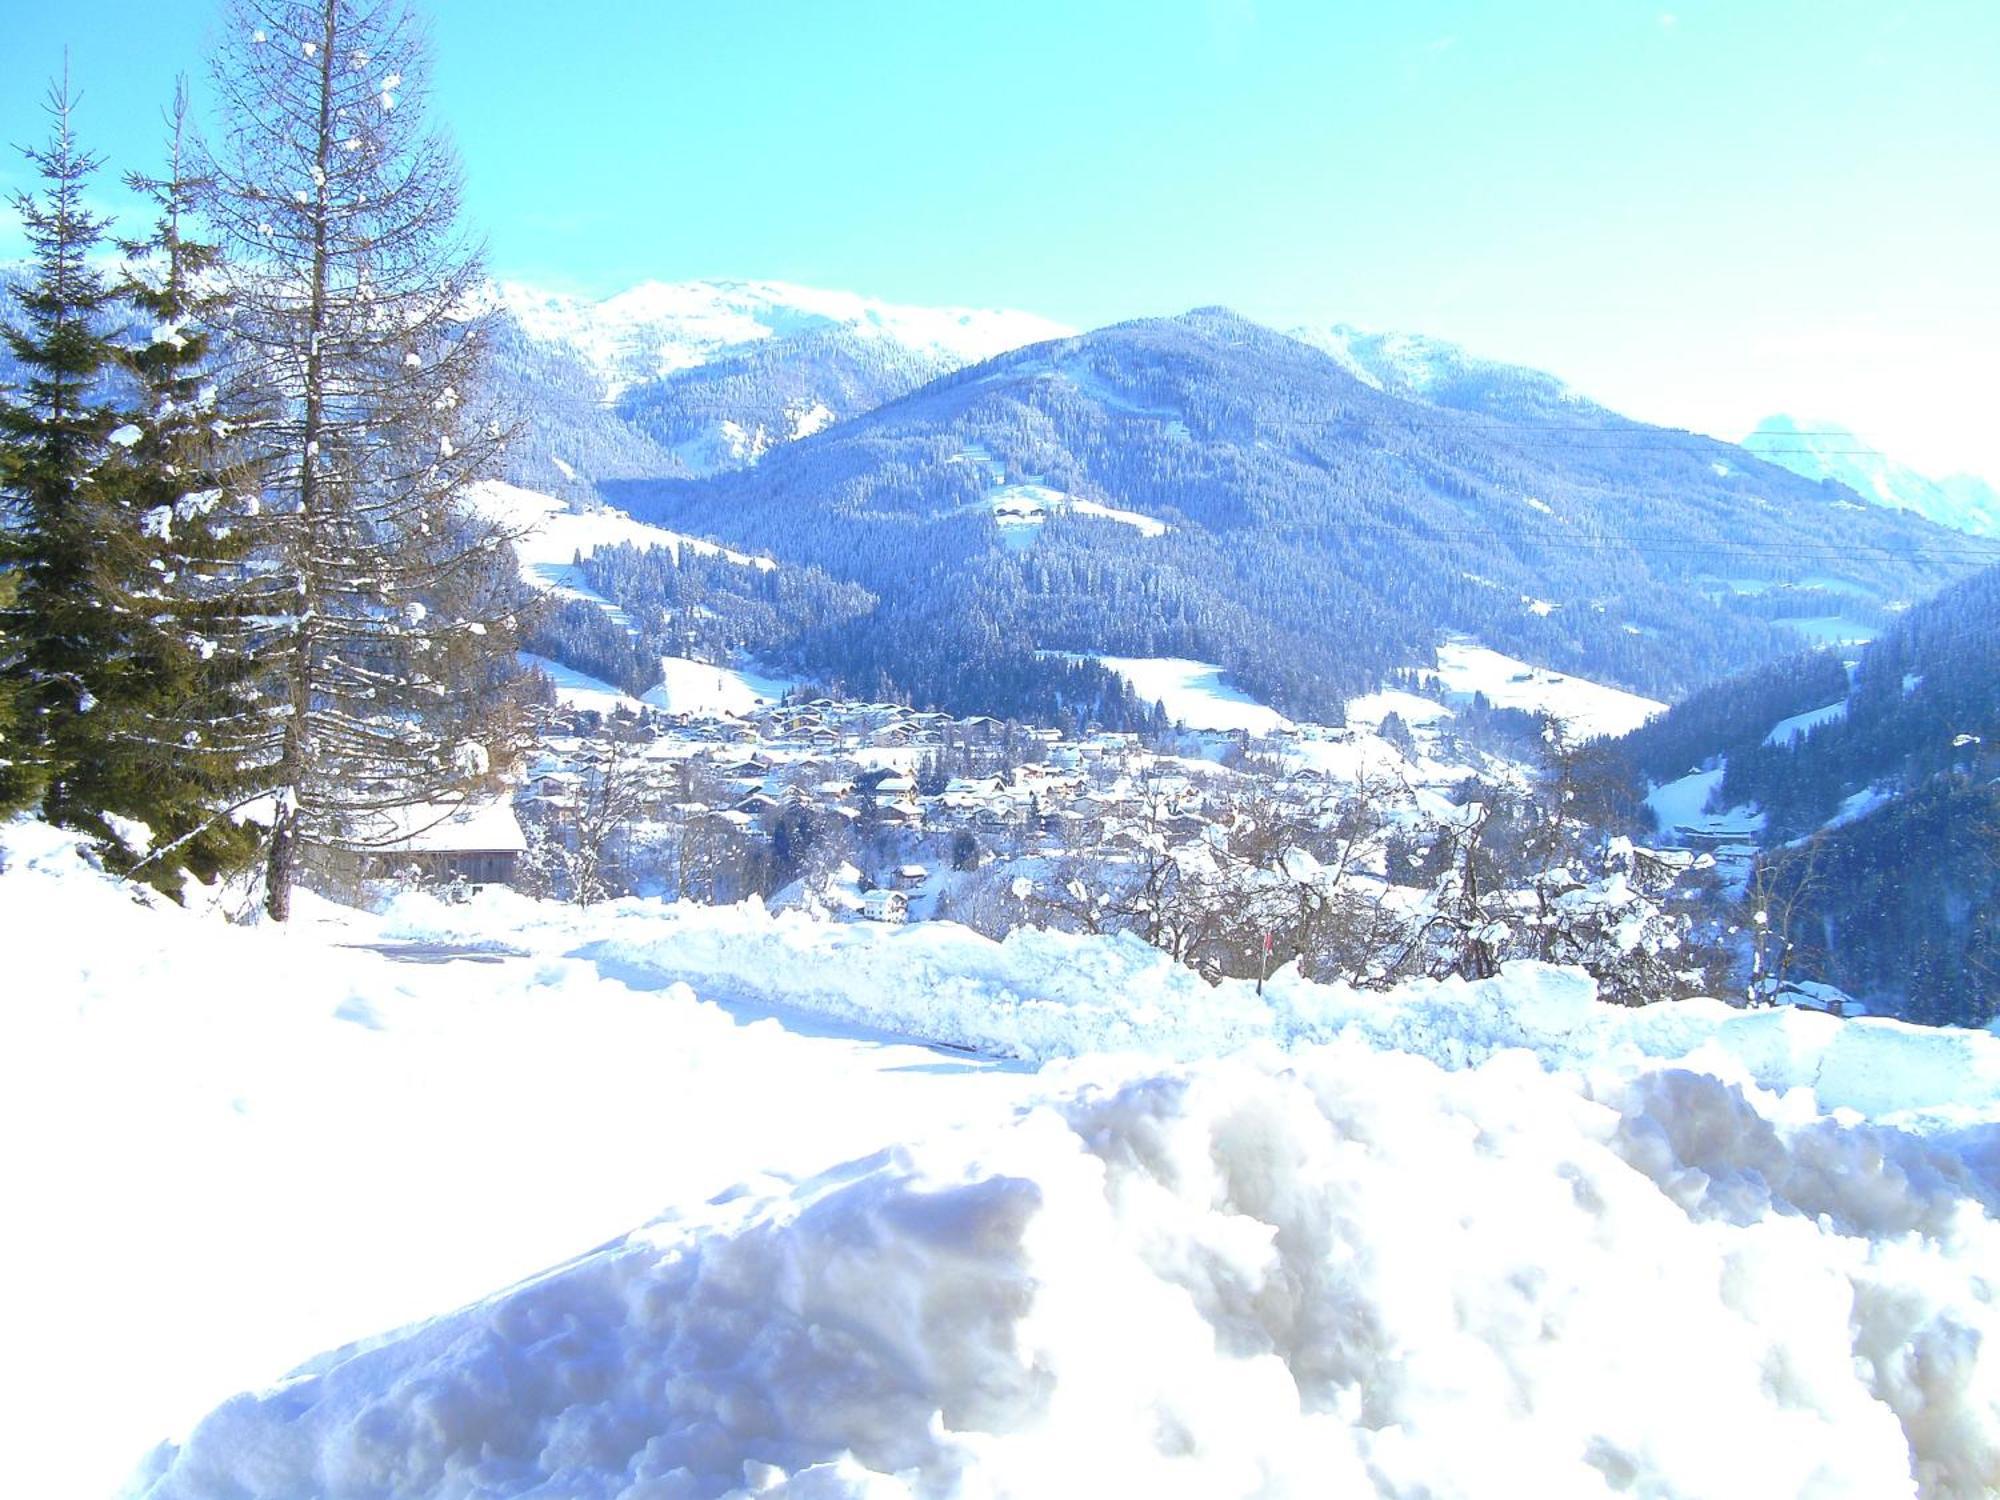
(1699, 212)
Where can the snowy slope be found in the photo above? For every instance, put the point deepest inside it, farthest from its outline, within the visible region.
(1195, 694)
(1826, 450)
(576, 689)
(549, 535)
(658, 328)
(1590, 708)
(255, 1144)
(1461, 1240)
(696, 687)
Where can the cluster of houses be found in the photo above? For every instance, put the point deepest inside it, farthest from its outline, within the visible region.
(923, 794)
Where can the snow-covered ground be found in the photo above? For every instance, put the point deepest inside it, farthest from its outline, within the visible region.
(576, 689)
(1462, 1240)
(1681, 805)
(552, 535)
(698, 687)
(1194, 693)
(230, 1148)
(1833, 630)
(1590, 708)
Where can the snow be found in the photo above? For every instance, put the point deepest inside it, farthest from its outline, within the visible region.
(256, 1144)
(1833, 630)
(1590, 708)
(1820, 449)
(1370, 709)
(1194, 693)
(487, 825)
(1029, 505)
(688, 686)
(1859, 805)
(1144, 525)
(1798, 726)
(1461, 1239)
(552, 535)
(657, 328)
(1679, 807)
(576, 689)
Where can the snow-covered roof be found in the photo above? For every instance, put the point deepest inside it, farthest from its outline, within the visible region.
(487, 826)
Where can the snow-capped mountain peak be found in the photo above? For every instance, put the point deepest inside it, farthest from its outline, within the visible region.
(1827, 450)
(656, 328)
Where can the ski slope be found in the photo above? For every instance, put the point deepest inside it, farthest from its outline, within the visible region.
(576, 689)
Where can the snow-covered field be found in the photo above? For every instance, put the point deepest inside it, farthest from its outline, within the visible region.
(1194, 693)
(698, 687)
(576, 689)
(551, 535)
(1463, 1240)
(1591, 708)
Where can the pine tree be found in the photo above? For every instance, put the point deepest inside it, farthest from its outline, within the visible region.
(64, 667)
(183, 526)
(352, 286)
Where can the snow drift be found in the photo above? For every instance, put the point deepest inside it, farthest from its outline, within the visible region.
(1460, 1240)
(1342, 1272)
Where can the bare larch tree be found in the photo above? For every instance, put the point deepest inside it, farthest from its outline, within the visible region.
(393, 607)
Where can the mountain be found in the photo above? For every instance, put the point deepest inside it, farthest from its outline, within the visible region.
(1875, 792)
(1826, 450)
(710, 375)
(1204, 487)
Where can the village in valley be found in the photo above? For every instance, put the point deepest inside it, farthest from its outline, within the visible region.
(1352, 851)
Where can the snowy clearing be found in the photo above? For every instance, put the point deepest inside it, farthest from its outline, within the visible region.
(1590, 708)
(1798, 726)
(1834, 630)
(554, 535)
(1195, 694)
(698, 687)
(576, 689)
(1680, 806)
(1461, 1240)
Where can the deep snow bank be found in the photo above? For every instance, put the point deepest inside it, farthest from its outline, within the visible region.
(1337, 1273)
(1478, 1240)
(1044, 995)
(228, 1149)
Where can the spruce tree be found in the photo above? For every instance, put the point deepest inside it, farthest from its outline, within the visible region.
(64, 667)
(191, 752)
(354, 291)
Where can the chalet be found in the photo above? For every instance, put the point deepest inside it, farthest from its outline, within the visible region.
(910, 877)
(885, 906)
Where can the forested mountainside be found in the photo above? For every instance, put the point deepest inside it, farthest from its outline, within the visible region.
(1878, 792)
(1202, 486)
(1925, 701)
(566, 438)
